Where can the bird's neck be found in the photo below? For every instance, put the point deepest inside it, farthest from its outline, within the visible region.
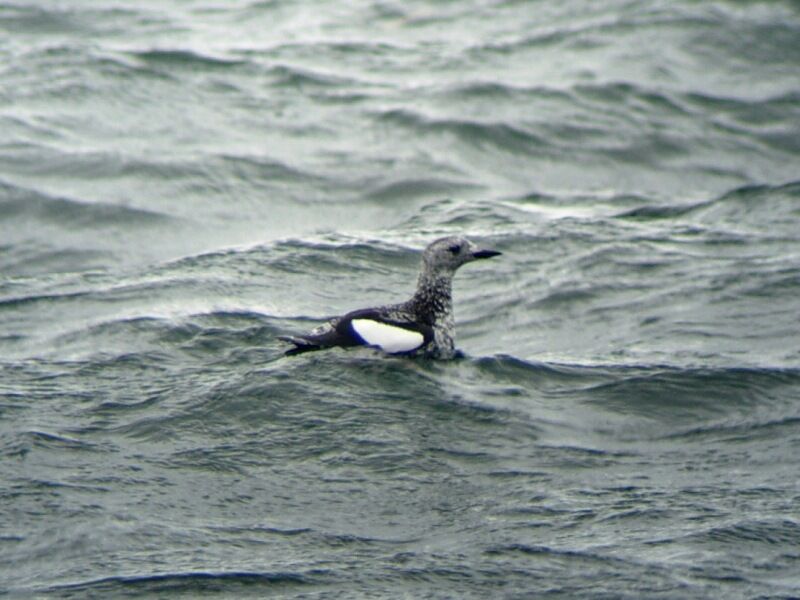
(433, 300)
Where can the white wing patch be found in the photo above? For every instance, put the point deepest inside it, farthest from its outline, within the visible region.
(388, 338)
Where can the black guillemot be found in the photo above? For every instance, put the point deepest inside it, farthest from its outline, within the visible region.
(422, 326)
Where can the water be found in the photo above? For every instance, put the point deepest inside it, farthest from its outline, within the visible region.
(180, 184)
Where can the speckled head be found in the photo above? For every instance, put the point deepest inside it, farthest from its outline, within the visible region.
(447, 254)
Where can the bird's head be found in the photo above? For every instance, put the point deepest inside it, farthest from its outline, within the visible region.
(449, 253)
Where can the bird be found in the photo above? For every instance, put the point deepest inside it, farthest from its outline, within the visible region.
(421, 326)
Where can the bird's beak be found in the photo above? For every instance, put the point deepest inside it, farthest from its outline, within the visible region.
(483, 253)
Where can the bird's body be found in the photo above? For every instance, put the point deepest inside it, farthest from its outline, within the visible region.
(423, 325)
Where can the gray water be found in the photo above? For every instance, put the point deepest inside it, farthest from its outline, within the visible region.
(182, 182)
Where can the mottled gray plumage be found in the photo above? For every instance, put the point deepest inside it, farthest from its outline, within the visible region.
(429, 312)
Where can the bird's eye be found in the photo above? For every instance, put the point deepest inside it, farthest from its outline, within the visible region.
(455, 248)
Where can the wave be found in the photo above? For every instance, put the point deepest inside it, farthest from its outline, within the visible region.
(769, 532)
(196, 582)
(419, 187)
(657, 375)
(22, 17)
(691, 404)
(189, 59)
(22, 443)
(629, 94)
(25, 204)
(38, 159)
(752, 204)
(504, 136)
(262, 168)
(297, 77)
(770, 110)
(577, 32)
(39, 20)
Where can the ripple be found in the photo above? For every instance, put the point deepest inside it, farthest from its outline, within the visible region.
(196, 582)
(187, 59)
(19, 203)
(39, 20)
(416, 188)
(738, 210)
(504, 136)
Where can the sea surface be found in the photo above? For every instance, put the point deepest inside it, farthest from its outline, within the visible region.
(181, 182)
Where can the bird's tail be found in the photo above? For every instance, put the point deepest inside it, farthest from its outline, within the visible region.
(300, 345)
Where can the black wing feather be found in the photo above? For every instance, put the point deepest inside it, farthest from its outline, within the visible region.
(345, 325)
(341, 332)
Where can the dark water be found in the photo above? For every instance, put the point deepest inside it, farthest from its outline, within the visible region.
(180, 184)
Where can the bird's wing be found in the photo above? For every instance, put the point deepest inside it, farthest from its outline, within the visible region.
(390, 331)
